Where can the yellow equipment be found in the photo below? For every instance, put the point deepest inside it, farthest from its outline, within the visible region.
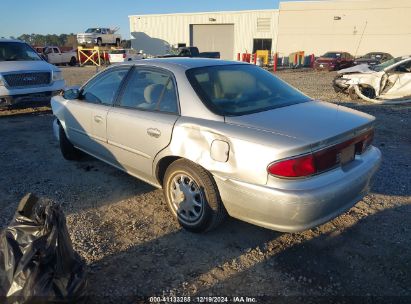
(263, 55)
(96, 55)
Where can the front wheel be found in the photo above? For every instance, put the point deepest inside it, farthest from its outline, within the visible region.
(192, 196)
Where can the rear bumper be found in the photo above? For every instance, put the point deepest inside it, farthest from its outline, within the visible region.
(115, 60)
(301, 205)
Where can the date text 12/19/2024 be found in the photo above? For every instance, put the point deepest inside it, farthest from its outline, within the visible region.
(198, 299)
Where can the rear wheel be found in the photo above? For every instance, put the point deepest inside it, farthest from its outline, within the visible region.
(99, 42)
(67, 149)
(192, 196)
(73, 61)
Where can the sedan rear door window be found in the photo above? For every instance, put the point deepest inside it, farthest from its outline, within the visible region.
(151, 90)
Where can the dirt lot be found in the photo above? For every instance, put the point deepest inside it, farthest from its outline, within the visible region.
(133, 247)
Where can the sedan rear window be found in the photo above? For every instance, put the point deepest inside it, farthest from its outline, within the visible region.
(239, 89)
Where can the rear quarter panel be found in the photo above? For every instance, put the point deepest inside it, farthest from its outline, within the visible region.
(250, 150)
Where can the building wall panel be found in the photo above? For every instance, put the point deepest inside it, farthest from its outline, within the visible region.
(364, 26)
(164, 31)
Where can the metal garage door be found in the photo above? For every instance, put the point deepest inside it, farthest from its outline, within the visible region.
(214, 38)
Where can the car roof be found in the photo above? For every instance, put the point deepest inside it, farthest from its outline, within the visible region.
(182, 63)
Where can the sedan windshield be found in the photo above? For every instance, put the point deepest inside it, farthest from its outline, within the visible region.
(239, 89)
(372, 56)
(331, 55)
(386, 64)
(17, 51)
(92, 30)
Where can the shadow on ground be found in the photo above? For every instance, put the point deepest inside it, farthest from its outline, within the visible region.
(241, 259)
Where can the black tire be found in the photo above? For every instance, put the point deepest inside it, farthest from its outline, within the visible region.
(367, 91)
(73, 61)
(212, 209)
(99, 42)
(67, 149)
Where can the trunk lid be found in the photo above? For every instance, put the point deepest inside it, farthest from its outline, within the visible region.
(315, 123)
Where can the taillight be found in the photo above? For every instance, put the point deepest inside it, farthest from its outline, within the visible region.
(124, 56)
(322, 160)
(295, 167)
(365, 142)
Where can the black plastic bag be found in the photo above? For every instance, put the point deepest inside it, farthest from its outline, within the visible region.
(37, 261)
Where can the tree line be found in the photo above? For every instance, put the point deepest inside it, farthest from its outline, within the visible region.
(49, 39)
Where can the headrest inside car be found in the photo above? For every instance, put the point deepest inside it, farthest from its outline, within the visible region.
(153, 92)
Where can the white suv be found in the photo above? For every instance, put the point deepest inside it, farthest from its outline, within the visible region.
(24, 76)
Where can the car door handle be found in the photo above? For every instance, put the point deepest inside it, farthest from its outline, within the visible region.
(153, 132)
(98, 118)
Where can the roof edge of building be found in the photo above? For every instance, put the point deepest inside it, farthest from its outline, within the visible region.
(274, 10)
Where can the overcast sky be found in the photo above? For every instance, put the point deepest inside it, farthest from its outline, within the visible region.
(72, 16)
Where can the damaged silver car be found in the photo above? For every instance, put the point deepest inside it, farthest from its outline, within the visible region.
(386, 83)
(220, 138)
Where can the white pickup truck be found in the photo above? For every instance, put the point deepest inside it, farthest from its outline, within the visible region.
(25, 78)
(99, 36)
(54, 55)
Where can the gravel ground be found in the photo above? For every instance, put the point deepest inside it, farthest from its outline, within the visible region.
(133, 247)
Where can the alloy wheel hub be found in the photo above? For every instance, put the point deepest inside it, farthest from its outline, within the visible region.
(187, 198)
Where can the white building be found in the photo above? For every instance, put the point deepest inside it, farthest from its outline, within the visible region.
(226, 32)
(355, 26)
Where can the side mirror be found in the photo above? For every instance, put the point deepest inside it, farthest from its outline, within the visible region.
(72, 93)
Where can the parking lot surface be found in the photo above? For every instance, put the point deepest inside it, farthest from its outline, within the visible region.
(133, 246)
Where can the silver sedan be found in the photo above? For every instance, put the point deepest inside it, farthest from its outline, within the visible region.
(222, 138)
